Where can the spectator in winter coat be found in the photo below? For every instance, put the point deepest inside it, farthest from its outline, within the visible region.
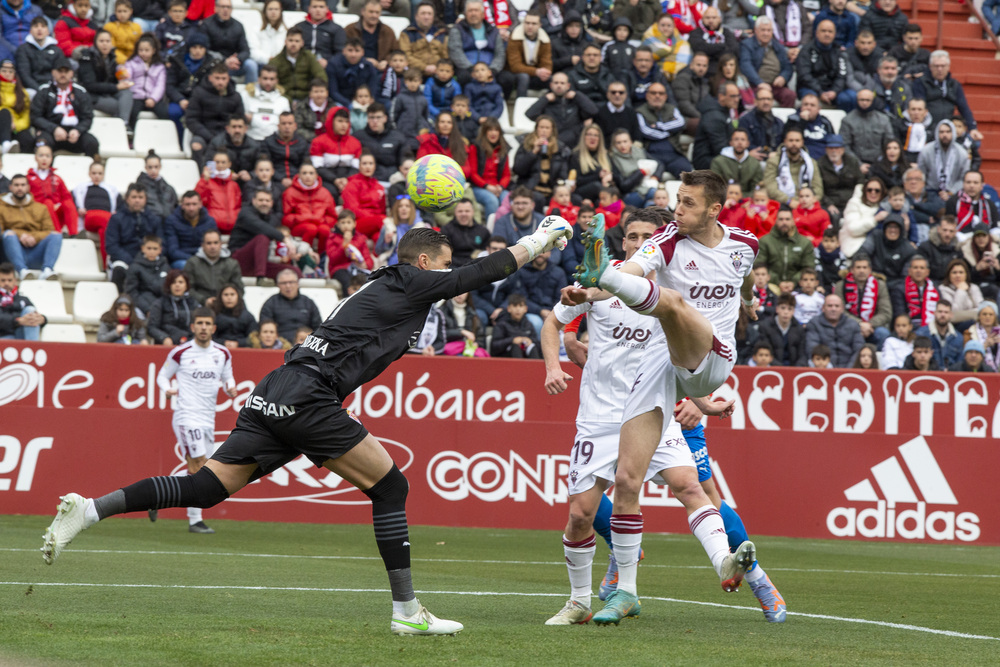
(289, 308)
(972, 206)
(822, 69)
(98, 74)
(233, 322)
(211, 268)
(886, 22)
(718, 120)
(945, 95)
(161, 198)
(296, 67)
(485, 96)
(125, 32)
(890, 254)
(467, 238)
(529, 54)
(691, 86)
(446, 140)
(311, 114)
(252, 235)
(175, 29)
(491, 169)
(16, 17)
(170, 318)
(385, 144)
(940, 248)
(74, 29)
(466, 47)
(126, 230)
(425, 41)
(845, 22)
(837, 331)
(148, 75)
(335, 153)
(973, 359)
(365, 197)
(542, 279)
(145, 275)
(790, 168)
(323, 37)
(29, 239)
(348, 70)
(735, 164)
(660, 123)
(522, 219)
(513, 334)
(442, 88)
(184, 230)
(122, 324)
(62, 113)
(263, 179)
(347, 251)
(287, 149)
(617, 113)
(379, 39)
(213, 102)
(784, 251)
(814, 126)
(243, 151)
(866, 130)
(764, 129)
(840, 173)
(944, 162)
(37, 55)
(568, 108)
(764, 60)
(48, 188)
(309, 208)
(786, 335)
(712, 39)
(945, 340)
(264, 103)
(220, 191)
(640, 14)
(189, 65)
(589, 77)
(227, 37)
(617, 54)
(810, 218)
(408, 112)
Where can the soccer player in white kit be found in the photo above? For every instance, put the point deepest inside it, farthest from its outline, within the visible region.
(703, 269)
(201, 366)
(620, 339)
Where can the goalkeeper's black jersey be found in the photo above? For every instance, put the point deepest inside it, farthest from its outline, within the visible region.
(376, 325)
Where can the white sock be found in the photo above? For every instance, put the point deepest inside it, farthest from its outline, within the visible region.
(636, 292)
(90, 513)
(706, 524)
(755, 573)
(194, 515)
(405, 609)
(579, 562)
(626, 538)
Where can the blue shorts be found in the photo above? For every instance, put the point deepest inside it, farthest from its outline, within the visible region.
(699, 450)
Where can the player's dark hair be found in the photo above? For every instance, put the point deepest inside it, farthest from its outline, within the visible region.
(203, 312)
(922, 342)
(785, 300)
(422, 241)
(822, 351)
(713, 186)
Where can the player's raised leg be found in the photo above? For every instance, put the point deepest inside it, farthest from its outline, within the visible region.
(370, 468)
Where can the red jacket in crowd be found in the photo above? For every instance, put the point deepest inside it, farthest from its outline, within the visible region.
(222, 200)
(489, 169)
(72, 32)
(53, 193)
(735, 215)
(336, 251)
(364, 197)
(760, 226)
(812, 222)
(309, 212)
(332, 151)
(430, 144)
(568, 212)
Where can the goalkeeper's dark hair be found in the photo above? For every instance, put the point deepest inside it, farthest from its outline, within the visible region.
(421, 241)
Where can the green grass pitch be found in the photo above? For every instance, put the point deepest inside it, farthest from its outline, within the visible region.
(128, 592)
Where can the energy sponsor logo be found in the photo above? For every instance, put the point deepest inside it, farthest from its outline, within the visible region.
(906, 485)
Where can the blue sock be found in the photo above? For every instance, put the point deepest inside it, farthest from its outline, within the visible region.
(602, 520)
(735, 531)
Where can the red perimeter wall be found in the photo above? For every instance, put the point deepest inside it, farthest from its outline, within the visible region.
(820, 454)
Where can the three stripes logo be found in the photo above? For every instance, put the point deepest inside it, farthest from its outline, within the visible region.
(691, 266)
(906, 485)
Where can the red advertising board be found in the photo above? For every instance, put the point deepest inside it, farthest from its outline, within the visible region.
(834, 454)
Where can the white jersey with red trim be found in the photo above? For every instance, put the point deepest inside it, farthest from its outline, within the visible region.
(200, 371)
(619, 338)
(710, 279)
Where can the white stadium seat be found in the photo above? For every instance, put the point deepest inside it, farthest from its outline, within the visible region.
(160, 135)
(250, 19)
(17, 163)
(254, 298)
(78, 261)
(63, 333)
(73, 169)
(836, 116)
(672, 187)
(648, 166)
(123, 171)
(325, 298)
(91, 300)
(47, 295)
(293, 18)
(312, 282)
(519, 122)
(782, 113)
(110, 132)
(343, 20)
(181, 174)
(398, 24)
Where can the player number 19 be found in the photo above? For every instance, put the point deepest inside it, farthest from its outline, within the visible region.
(584, 448)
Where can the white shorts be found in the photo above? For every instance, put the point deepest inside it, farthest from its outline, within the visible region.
(595, 455)
(195, 437)
(712, 372)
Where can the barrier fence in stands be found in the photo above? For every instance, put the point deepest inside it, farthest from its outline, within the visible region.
(840, 454)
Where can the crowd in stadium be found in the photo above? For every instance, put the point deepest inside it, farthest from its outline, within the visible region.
(878, 242)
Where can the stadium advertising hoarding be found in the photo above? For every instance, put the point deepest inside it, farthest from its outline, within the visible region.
(831, 454)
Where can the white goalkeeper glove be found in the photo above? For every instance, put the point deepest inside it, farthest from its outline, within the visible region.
(553, 232)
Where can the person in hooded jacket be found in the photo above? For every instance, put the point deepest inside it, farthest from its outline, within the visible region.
(185, 228)
(122, 324)
(75, 30)
(886, 22)
(335, 152)
(890, 251)
(187, 67)
(37, 55)
(219, 192)
(310, 210)
(617, 54)
(169, 319)
(233, 322)
(161, 198)
(125, 231)
(16, 18)
(568, 43)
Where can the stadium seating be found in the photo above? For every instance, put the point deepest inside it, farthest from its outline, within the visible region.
(91, 300)
(78, 261)
(293, 18)
(17, 163)
(518, 122)
(672, 187)
(122, 171)
(782, 113)
(110, 132)
(254, 298)
(63, 333)
(836, 116)
(398, 24)
(160, 135)
(73, 169)
(181, 174)
(251, 19)
(325, 298)
(47, 295)
(343, 20)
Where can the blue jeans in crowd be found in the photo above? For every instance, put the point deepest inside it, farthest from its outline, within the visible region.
(489, 201)
(991, 12)
(249, 69)
(846, 99)
(25, 333)
(42, 256)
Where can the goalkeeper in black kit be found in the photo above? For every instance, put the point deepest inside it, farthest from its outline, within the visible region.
(297, 409)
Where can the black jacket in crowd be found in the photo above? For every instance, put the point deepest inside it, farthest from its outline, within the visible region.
(789, 348)
(125, 231)
(34, 65)
(161, 198)
(290, 314)
(226, 37)
(466, 242)
(255, 184)
(388, 149)
(593, 85)
(44, 117)
(97, 73)
(286, 156)
(506, 330)
(10, 313)
(250, 223)
(713, 132)
(181, 82)
(244, 156)
(568, 115)
(609, 121)
(209, 111)
(144, 281)
(325, 40)
(229, 326)
(170, 316)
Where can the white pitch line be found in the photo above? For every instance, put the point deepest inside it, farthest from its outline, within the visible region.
(498, 562)
(307, 589)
